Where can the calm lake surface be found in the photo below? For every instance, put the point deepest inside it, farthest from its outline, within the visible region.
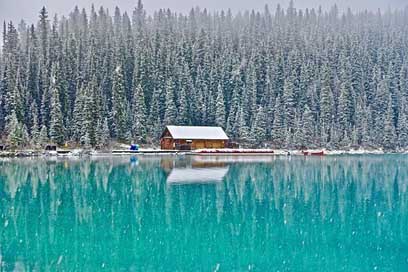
(346, 213)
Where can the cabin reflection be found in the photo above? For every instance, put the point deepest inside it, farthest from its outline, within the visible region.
(194, 171)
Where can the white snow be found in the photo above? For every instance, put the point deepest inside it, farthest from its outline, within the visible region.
(234, 151)
(194, 133)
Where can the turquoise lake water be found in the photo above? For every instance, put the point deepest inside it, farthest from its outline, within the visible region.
(205, 214)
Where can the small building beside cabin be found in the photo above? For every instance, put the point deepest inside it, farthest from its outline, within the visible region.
(50, 147)
(191, 137)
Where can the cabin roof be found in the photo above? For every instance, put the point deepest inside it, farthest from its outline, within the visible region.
(197, 133)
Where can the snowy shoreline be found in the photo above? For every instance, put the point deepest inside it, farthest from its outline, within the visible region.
(208, 152)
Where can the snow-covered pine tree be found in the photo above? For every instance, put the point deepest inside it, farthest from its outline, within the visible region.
(102, 134)
(258, 130)
(119, 104)
(44, 135)
(35, 132)
(183, 117)
(139, 130)
(243, 132)
(308, 128)
(170, 112)
(389, 135)
(278, 127)
(56, 123)
(403, 127)
(14, 130)
(220, 108)
(326, 106)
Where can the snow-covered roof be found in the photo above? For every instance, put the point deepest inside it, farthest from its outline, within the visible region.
(196, 175)
(197, 133)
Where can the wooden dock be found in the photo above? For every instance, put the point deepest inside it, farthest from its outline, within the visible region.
(147, 152)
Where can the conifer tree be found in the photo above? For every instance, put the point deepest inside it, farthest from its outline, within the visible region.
(35, 132)
(403, 127)
(278, 128)
(389, 138)
(308, 128)
(259, 126)
(183, 110)
(139, 129)
(56, 124)
(119, 104)
(220, 108)
(102, 135)
(243, 130)
(326, 107)
(15, 134)
(44, 135)
(170, 110)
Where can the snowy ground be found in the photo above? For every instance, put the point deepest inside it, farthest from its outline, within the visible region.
(295, 152)
(155, 151)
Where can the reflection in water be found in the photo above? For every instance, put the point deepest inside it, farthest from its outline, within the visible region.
(287, 214)
(196, 175)
(195, 171)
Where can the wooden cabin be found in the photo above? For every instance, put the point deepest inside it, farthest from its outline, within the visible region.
(190, 138)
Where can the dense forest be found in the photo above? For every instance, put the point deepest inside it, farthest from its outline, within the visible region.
(284, 77)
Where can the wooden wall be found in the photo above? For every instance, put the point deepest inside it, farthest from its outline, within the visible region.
(167, 143)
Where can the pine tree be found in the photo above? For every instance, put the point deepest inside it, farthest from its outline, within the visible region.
(403, 127)
(308, 128)
(56, 124)
(220, 108)
(326, 107)
(15, 134)
(25, 137)
(243, 130)
(345, 109)
(259, 126)
(86, 141)
(139, 129)
(170, 110)
(78, 115)
(389, 138)
(290, 105)
(35, 132)
(44, 135)
(183, 110)
(119, 104)
(102, 135)
(154, 115)
(278, 127)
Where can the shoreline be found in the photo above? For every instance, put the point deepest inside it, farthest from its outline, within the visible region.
(222, 152)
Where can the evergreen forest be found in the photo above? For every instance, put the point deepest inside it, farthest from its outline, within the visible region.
(280, 77)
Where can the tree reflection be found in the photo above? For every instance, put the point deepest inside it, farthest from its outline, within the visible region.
(280, 212)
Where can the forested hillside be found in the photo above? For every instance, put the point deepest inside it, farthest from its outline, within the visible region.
(286, 77)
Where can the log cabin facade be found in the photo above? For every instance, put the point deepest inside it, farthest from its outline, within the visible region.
(190, 138)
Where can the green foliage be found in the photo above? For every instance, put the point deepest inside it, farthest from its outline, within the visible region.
(15, 131)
